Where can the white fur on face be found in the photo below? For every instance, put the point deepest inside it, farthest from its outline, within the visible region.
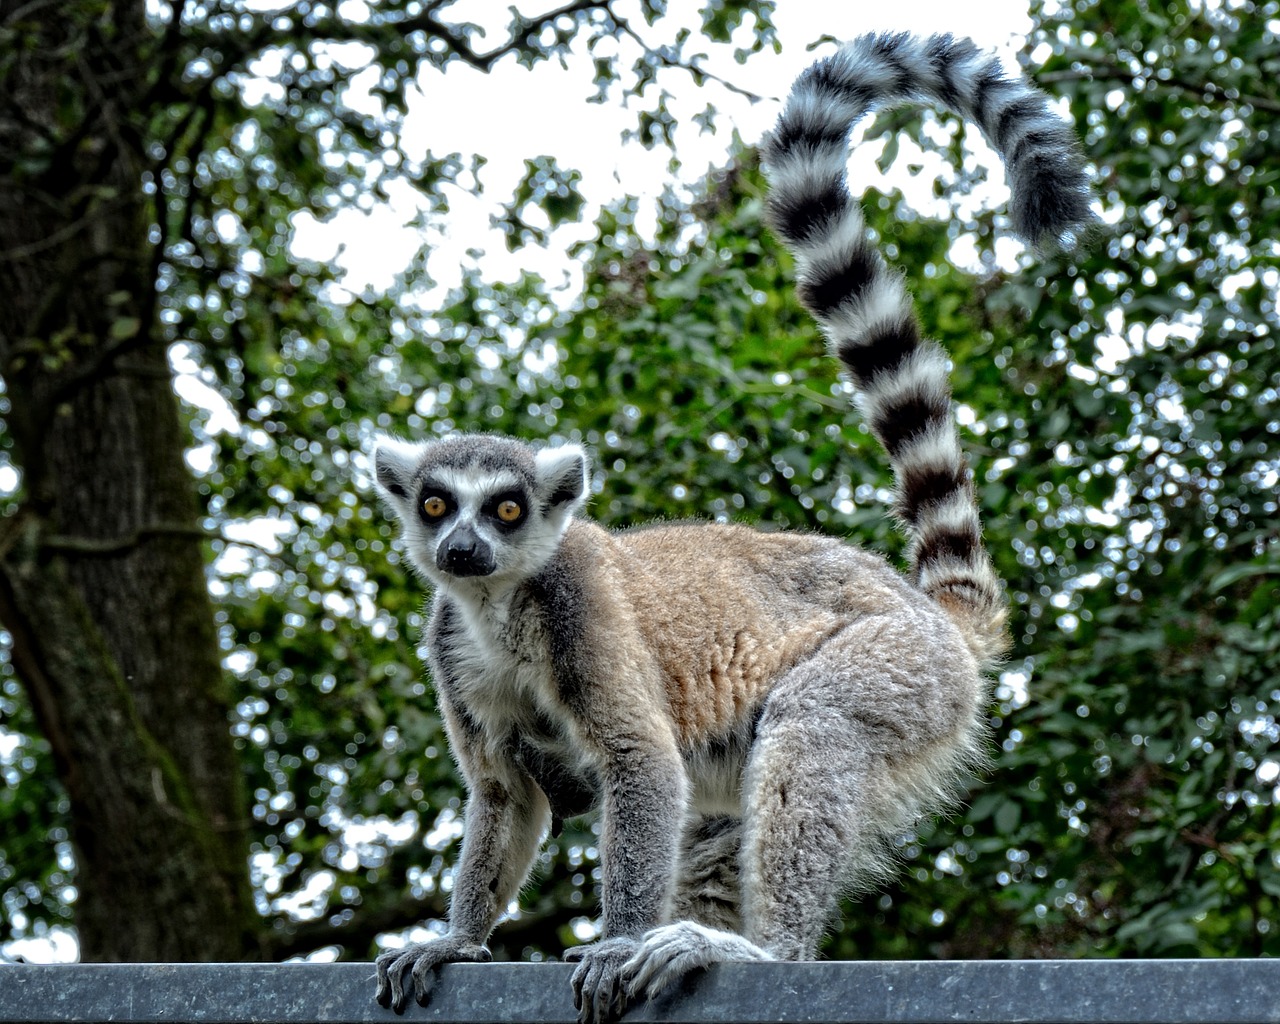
(401, 467)
(471, 488)
(519, 553)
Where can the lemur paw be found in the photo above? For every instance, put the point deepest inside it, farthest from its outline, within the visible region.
(420, 961)
(597, 983)
(669, 953)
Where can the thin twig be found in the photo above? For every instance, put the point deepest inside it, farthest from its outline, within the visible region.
(1209, 91)
(693, 69)
(118, 545)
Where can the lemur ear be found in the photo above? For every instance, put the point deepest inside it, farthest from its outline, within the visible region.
(562, 474)
(394, 463)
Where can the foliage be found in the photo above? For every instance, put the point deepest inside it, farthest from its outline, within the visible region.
(1147, 550)
(1120, 409)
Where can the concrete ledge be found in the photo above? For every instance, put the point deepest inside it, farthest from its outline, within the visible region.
(989, 992)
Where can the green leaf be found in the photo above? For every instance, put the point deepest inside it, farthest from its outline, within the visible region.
(1236, 573)
(125, 327)
(1007, 817)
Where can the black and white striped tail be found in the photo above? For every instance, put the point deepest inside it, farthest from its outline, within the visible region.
(862, 306)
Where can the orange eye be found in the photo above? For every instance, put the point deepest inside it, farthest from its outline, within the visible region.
(435, 506)
(509, 511)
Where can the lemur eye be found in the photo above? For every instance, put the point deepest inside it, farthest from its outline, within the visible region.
(509, 511)
(435, 506)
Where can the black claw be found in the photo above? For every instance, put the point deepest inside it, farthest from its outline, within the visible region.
(390, 973)
(411, 971)
(422, 985)
(386, 992)
(597, 983)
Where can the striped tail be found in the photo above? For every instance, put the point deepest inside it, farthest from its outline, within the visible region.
(902, 380)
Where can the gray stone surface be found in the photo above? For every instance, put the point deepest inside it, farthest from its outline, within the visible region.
(1036, 992)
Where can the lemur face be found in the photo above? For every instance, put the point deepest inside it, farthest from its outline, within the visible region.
(479, 507)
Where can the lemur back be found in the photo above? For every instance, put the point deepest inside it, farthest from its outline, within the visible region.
(756, 716)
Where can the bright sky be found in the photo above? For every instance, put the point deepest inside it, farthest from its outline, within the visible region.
(514, 113)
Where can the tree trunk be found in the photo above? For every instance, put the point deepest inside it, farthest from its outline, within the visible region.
(102, 579)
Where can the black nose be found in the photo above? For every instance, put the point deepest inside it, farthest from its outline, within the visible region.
(464, 553)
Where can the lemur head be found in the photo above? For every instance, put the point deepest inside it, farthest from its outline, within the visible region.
(478, 507)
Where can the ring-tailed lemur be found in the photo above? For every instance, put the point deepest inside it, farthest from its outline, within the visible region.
(756, 715)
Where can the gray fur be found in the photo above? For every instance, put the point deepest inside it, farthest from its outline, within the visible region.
(708, 889)
(756, 716)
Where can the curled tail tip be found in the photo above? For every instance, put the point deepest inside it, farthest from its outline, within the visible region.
(902, 380)
(1052, 197)
(1052, 206)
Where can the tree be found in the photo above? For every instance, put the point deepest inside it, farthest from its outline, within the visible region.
(1146, 551)
(102, 581)
(1119, 403)
(1130, 452)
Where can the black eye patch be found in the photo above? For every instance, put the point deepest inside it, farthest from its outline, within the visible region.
(508, 510)
(435, 504)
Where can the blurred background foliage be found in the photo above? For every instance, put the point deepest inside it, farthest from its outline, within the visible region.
(1119, 404)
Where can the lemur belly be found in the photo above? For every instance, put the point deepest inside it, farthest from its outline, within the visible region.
(737, 609)
(715, 770)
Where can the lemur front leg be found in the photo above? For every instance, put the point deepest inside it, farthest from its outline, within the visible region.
(503, 823)
(643, 809)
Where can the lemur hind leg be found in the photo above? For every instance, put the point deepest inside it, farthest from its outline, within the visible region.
(878, 728)
(811, 830)
(708, 889)
(852, 746)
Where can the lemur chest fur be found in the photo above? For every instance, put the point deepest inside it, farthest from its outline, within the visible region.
(494, 653)
(492, 658)
(694, 623)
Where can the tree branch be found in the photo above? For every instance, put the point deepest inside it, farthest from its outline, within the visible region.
(119, 545)
(237, 49)
(107, 546)
(430, 24)
(666, 60)
(356, 934)
(1208, 91)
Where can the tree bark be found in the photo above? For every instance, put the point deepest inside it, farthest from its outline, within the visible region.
(102, 577)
